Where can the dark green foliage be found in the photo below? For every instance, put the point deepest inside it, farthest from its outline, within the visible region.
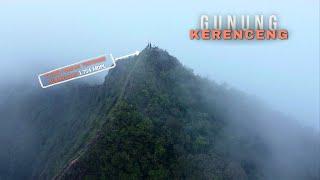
(153, 119)
(163, 126)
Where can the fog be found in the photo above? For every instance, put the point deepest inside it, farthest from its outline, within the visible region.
(37, 36)
(36, 123)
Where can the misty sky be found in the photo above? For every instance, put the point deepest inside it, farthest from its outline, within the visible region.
(36, 36)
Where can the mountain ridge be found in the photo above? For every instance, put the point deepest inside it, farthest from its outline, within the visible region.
(115, 104)
(153, 118)
(165, 74)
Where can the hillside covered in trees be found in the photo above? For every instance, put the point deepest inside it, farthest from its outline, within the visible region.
(152, 118)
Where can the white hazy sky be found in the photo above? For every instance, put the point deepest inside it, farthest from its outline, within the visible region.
(38, 35)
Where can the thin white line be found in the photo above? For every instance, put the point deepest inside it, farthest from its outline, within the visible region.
(133, 54)
(40, 81)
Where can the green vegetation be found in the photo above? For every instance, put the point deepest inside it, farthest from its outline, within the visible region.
(154, 119)
(157, 128)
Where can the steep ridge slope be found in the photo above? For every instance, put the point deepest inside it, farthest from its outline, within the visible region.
(169, 123)
(45, 129)
(151, 119)
(41, 130)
